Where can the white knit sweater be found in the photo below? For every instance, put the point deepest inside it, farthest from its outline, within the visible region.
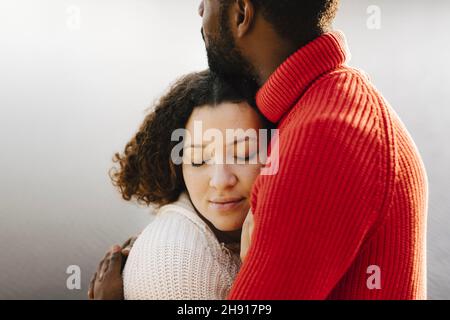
(178, 257)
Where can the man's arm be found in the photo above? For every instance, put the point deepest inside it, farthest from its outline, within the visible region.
(313, 215)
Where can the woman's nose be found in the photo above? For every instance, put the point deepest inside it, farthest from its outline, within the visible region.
(222, 177)
(201, 9)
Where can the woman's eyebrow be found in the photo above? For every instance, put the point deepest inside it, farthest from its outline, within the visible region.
(195, 146)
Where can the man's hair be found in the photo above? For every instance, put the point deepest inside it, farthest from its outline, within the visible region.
(298, 20)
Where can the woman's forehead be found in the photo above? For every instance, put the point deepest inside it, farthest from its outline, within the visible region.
(225, 116)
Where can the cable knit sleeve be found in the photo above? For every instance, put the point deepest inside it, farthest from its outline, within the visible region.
(172, 260)
(312, 217)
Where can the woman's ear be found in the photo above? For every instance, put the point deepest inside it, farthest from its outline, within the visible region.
(244, 13)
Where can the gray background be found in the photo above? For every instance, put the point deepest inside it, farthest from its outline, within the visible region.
(71, 95)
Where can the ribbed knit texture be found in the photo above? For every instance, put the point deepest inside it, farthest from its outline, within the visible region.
(178, 257)
(351, 191)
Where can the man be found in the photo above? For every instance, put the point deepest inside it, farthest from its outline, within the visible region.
(345, 215)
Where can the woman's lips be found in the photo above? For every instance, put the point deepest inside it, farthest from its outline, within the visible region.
(226, 205)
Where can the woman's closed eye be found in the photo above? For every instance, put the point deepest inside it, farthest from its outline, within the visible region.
(246, 157)
(200, 161)
(198, 164)
(245, 150)
(242, 152)
(194, 157)
(234, 159)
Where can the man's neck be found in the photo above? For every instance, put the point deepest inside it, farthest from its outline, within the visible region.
(275, 54)
(273, 62)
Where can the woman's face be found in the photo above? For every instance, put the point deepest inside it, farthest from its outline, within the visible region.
(217, 178)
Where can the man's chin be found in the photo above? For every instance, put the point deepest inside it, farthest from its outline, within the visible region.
(218, 69)
(228, 71)
(225, 73)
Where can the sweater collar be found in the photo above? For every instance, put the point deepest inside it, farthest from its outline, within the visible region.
(184, 206)
(293, 77)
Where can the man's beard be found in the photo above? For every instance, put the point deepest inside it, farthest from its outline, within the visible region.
(225, 59)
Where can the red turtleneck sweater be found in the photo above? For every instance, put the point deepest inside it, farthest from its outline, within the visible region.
(345, 215)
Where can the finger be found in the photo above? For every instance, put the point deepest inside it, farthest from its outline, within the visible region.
(99, 269)
(91, 287)
(245, 241)
(251, 223)
(126, 249)
(103, 260)
(115, 262)
(103, 267)
(130, 241)
(245, 224)
(247, 221)
(100, 265)
(126, 243)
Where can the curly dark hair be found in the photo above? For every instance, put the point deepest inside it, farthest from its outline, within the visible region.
(145, 170)
(297, 20)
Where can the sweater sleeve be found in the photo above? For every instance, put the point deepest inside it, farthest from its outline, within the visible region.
(312, 217)
(175, 263)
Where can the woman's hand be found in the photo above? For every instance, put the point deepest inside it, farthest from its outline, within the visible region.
(247, 230)
(107, 282)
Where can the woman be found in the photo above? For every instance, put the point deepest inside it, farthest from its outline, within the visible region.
(191, 249)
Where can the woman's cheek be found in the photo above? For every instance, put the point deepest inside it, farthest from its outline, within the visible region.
(196, 183)
(248, 174)
(188, 175)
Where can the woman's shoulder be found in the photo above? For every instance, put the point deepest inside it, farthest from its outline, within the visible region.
(182, 209)
(177, 256)
(178, 224)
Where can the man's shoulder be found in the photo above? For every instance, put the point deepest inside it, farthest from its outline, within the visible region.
(343, 94)
(343, 82)
(343, 109)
